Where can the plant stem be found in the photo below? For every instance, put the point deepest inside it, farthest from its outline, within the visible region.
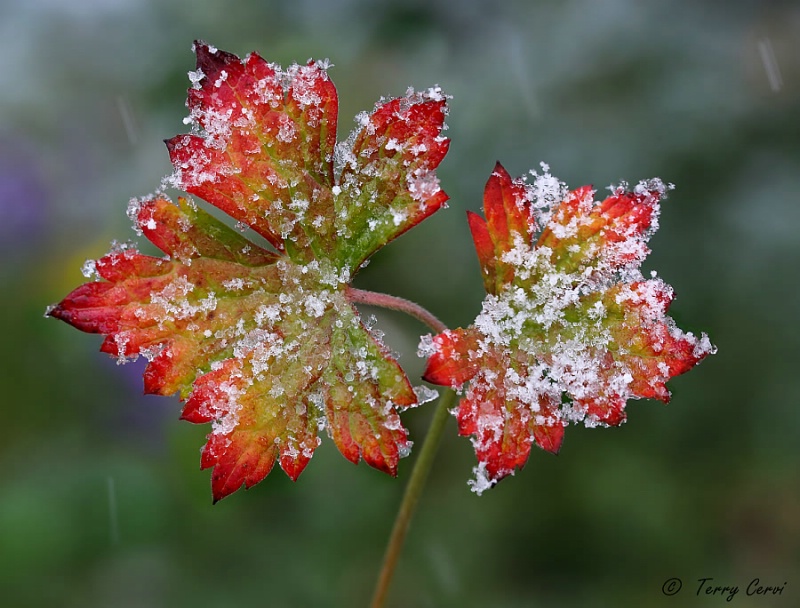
(411, 496)
(383, 300)
(424, 461)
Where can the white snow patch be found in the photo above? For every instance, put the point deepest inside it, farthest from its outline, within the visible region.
(425, 394)
(482, 481)
(89, 270)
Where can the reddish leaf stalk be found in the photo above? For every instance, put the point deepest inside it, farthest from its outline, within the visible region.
(383, 300)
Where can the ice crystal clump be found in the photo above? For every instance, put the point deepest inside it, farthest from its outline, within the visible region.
(425, 394)
(89, 269)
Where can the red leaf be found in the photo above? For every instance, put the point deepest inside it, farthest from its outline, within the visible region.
(265, 345)
(570, 329)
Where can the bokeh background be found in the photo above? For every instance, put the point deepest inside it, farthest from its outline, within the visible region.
(101, 500)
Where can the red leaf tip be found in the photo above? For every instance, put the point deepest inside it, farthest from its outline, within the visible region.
(499, 171)
(210, 59)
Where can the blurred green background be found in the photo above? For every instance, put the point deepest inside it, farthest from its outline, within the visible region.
(101, 500)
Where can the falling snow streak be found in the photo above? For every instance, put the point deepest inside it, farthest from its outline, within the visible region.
(113, 512)
(770, 64)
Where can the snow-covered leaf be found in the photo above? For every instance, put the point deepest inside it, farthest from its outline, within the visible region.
(570, 329)
(265, 344)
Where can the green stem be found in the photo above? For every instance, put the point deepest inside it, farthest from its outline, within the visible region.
(424, 461)
(413, 491)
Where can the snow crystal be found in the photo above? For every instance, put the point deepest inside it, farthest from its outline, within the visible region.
(152, 352)
(343, 156)
(425, 394)
(299, 204)
(89, 270)
(653, 185)
(276, 390)
(223, 76)
(217, 125)
(597, 311)
(329, 276)
(290, 448)
(121, 340)
(393, 423)
(545, 193)
(235, 284)
(174, 303)
(398, 216)
(287, 130)
(173, 180)
(423, 184)
(196, 77)
(362, 120)
(703, 346)
(427, 347)
(314, 306)
(482, 482)
(125, 248)
(393, 144)
(404, 449)
(302, 81)
(435, 93)
(227, 408)
(134, 209)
